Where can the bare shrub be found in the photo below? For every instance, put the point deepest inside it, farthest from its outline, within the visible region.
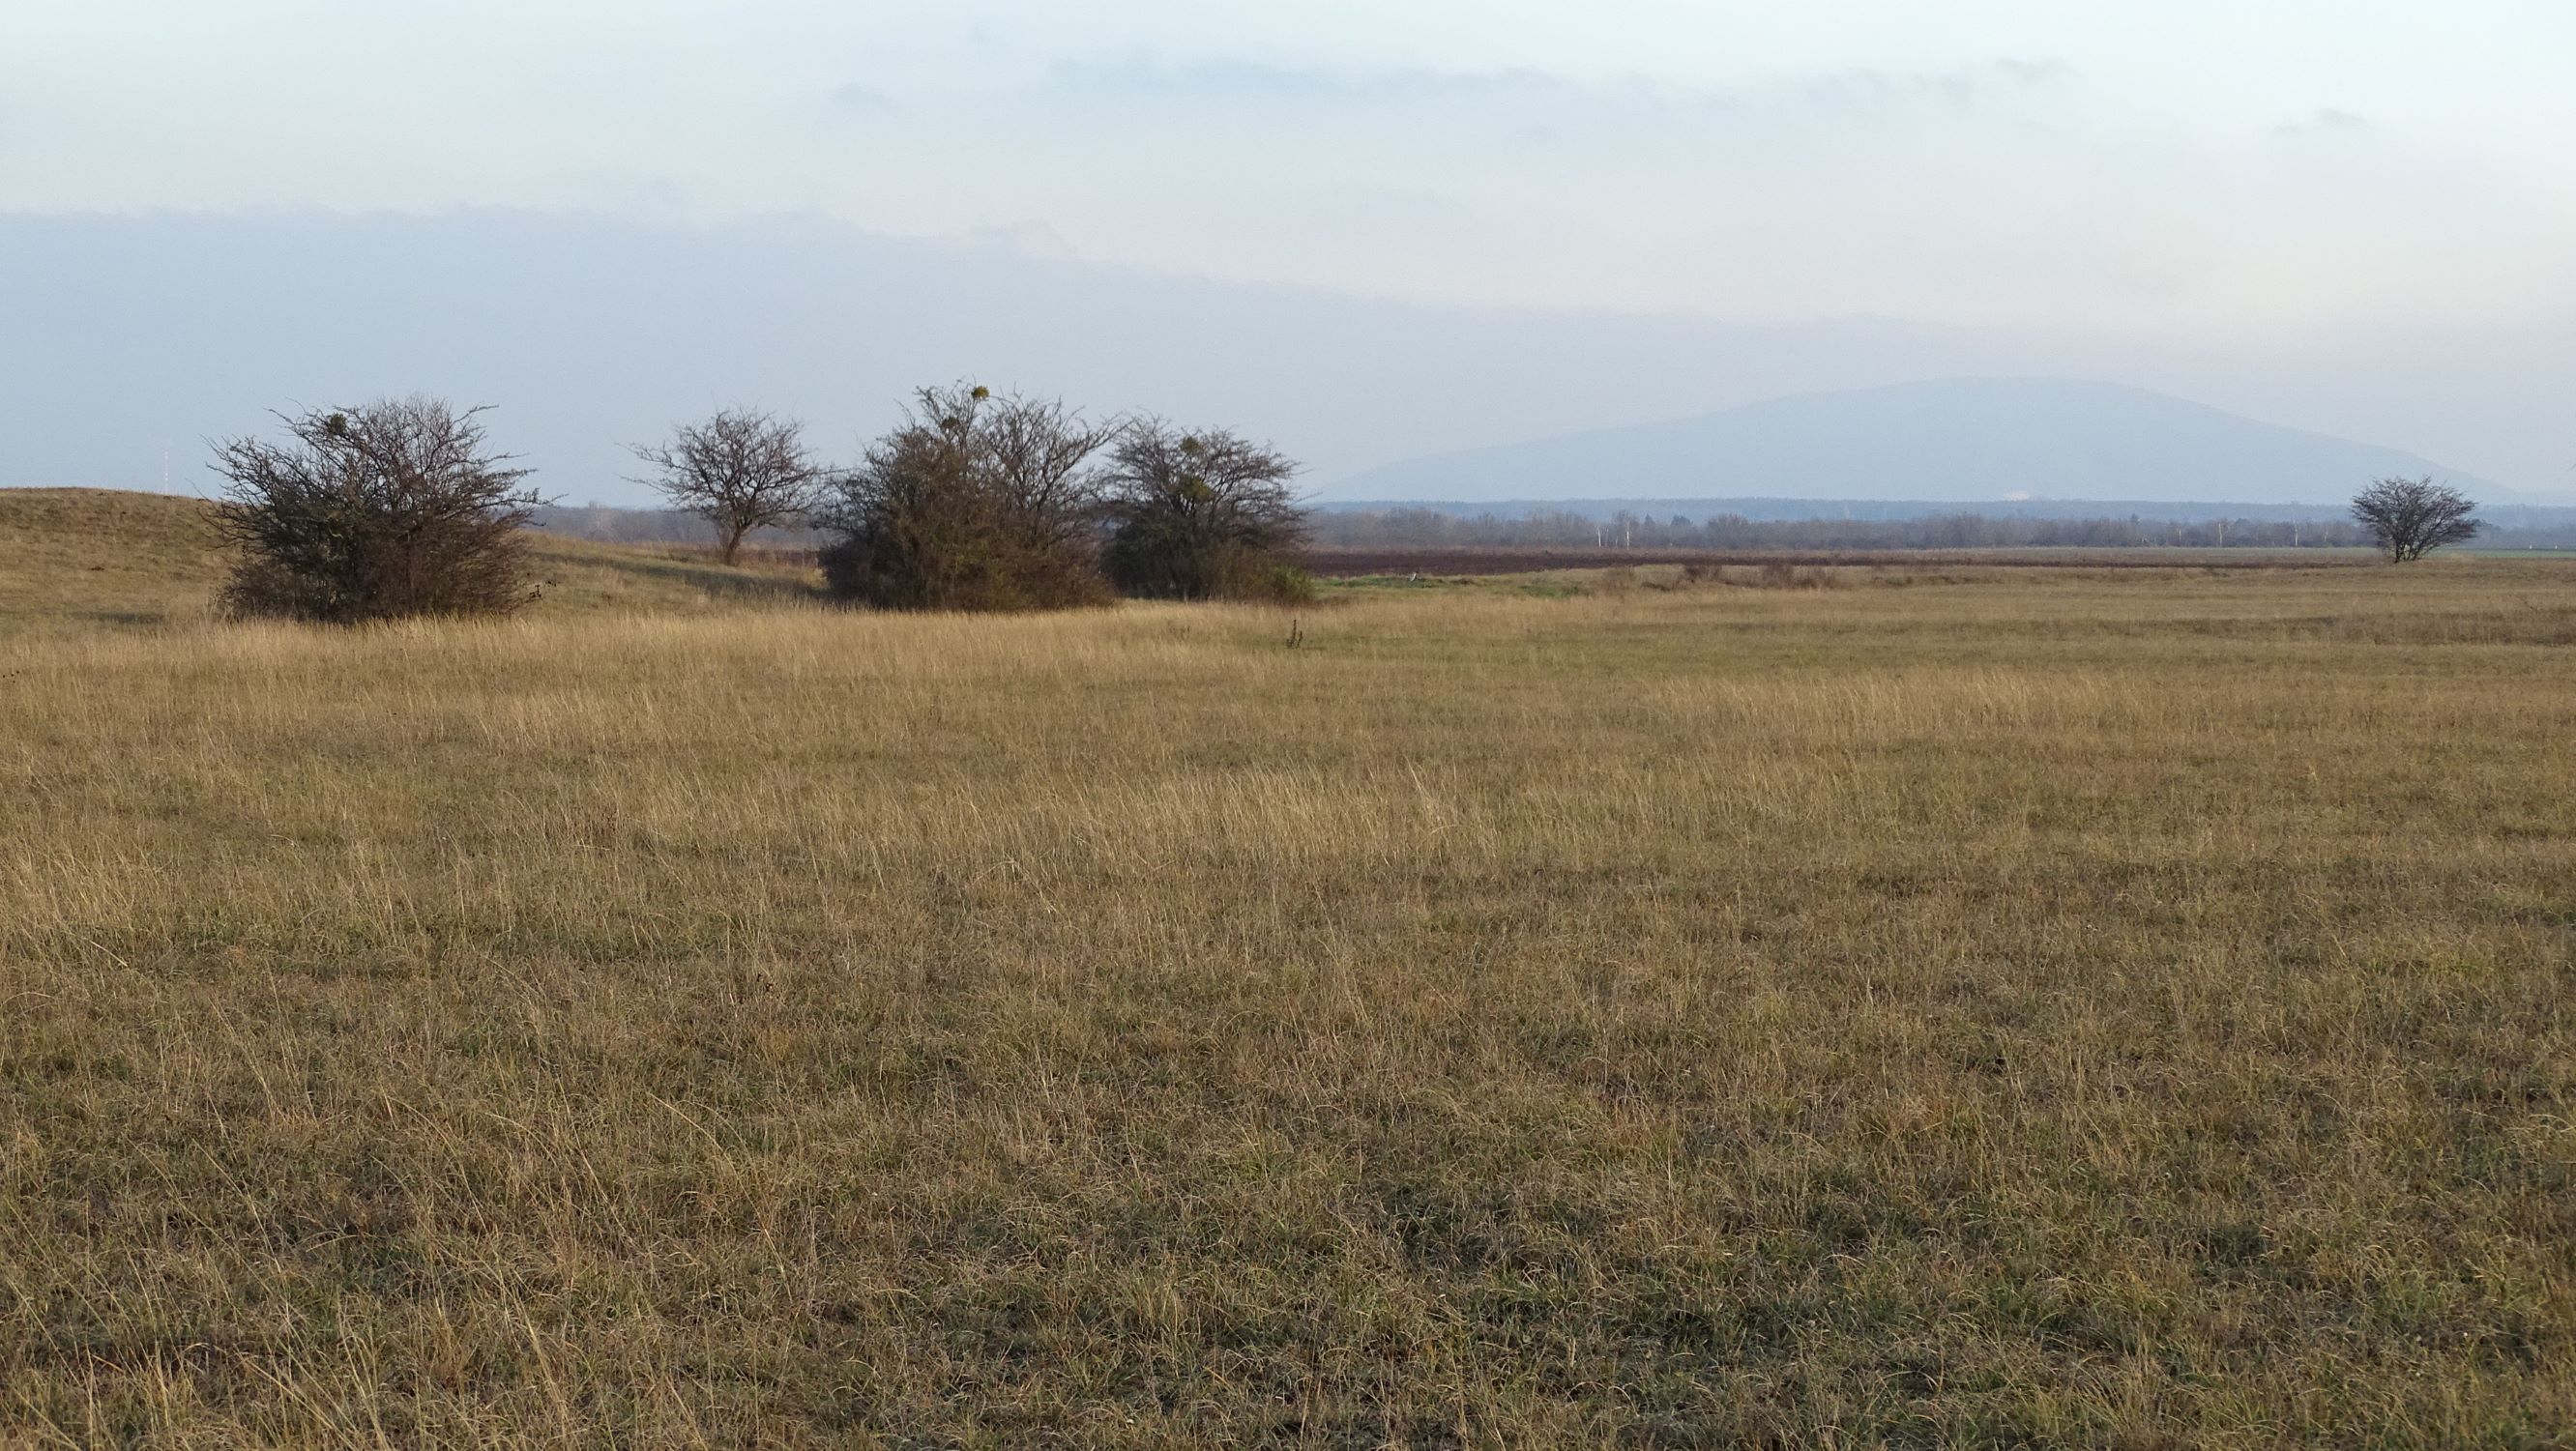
(375, 513)
(976, 502)
(739, 470)
(1289, 584)
(2410, 518)
(1201, 516)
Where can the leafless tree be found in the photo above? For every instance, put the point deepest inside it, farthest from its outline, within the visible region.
(1199, 515)
(1038, 452)
(740, 470)
(2412, 517)
(976, 502)
(396, 508)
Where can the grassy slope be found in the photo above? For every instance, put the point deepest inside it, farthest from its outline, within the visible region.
(2041, 1010)
(89, 557)
(79, 559)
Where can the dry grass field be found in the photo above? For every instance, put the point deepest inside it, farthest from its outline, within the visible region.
(1971, 1008)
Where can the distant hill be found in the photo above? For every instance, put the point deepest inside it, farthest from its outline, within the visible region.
(1965, 440)
(138, 338)
(99, 556)
(80, 558)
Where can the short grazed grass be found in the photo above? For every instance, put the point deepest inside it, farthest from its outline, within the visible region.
(2008, 1009)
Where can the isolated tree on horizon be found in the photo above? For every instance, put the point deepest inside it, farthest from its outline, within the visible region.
(394, 509)
(1198, 515)
(2412, 517)
(740, 470)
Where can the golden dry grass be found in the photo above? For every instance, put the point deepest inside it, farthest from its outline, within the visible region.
(2055, 1011)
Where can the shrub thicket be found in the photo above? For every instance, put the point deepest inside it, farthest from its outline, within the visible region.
(977, 502)
(1202, 516)
(394, 509)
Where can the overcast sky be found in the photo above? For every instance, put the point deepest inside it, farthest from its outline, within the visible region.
(2189, 168)
(2348, 217)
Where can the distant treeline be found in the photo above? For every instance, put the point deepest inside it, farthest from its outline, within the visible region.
(610, 524)
(2507, 527)
(1421, 527)
(1544, 528)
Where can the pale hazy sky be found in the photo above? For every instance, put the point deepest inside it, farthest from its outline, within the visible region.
(2187, 169)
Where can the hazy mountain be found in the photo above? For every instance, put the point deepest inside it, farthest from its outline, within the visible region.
(126, 342)
(127, 339)
(1951, 440)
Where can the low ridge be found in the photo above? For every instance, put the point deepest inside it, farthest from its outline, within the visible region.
(74, 557)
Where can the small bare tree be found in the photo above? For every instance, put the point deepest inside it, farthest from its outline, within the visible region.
(397, 508)
(1199, 515)
(2412, 517)
(740, 470)
(977, 502)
